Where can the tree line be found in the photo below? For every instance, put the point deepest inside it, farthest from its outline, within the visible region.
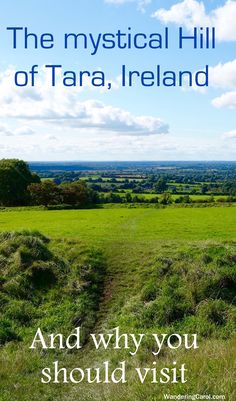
(20, 187)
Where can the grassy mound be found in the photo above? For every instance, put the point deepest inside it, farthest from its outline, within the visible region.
(191, 290)
(52, 286)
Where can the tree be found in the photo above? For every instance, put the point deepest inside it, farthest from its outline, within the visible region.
(78, 193)
(128, 197)
(15, 177)
(45, 193)
(161, 186)
(166, 198)
(204, 189)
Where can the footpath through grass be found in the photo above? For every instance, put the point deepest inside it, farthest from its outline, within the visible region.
(150, 255)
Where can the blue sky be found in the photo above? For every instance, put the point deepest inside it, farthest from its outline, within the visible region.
(138, 123)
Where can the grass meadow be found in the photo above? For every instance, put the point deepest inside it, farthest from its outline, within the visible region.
(123, 224)
(166, 271)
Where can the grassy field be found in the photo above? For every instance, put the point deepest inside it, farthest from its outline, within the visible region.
(122, 224)
(137, 245)
(173, 196)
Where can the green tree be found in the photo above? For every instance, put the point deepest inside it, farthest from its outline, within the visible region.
(15, 177)
(45, 193)
(166, 198)
(128, 197)
(161, 186)
(204, 189)
(78, 193)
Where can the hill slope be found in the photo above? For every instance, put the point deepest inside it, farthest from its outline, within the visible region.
(151, 285)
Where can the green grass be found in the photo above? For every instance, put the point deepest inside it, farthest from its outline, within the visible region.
(46, 286)
(173, 196)
(121, 224)
(187, 254)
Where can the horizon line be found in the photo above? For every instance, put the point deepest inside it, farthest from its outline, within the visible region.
(132, 161)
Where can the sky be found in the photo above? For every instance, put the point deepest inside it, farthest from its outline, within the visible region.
(42, 122)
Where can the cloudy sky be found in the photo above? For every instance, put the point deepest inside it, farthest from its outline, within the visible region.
(138, 123)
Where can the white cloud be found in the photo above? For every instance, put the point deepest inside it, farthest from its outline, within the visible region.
(191, 13)
(223, 75)
(20, 131)
(62, 107)
(25, 130)
(50, 143)
(51, 138)
(230, 135)
(141, 4)
(115, 147)
(228, 99)
(96, 115)
(5, 131)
